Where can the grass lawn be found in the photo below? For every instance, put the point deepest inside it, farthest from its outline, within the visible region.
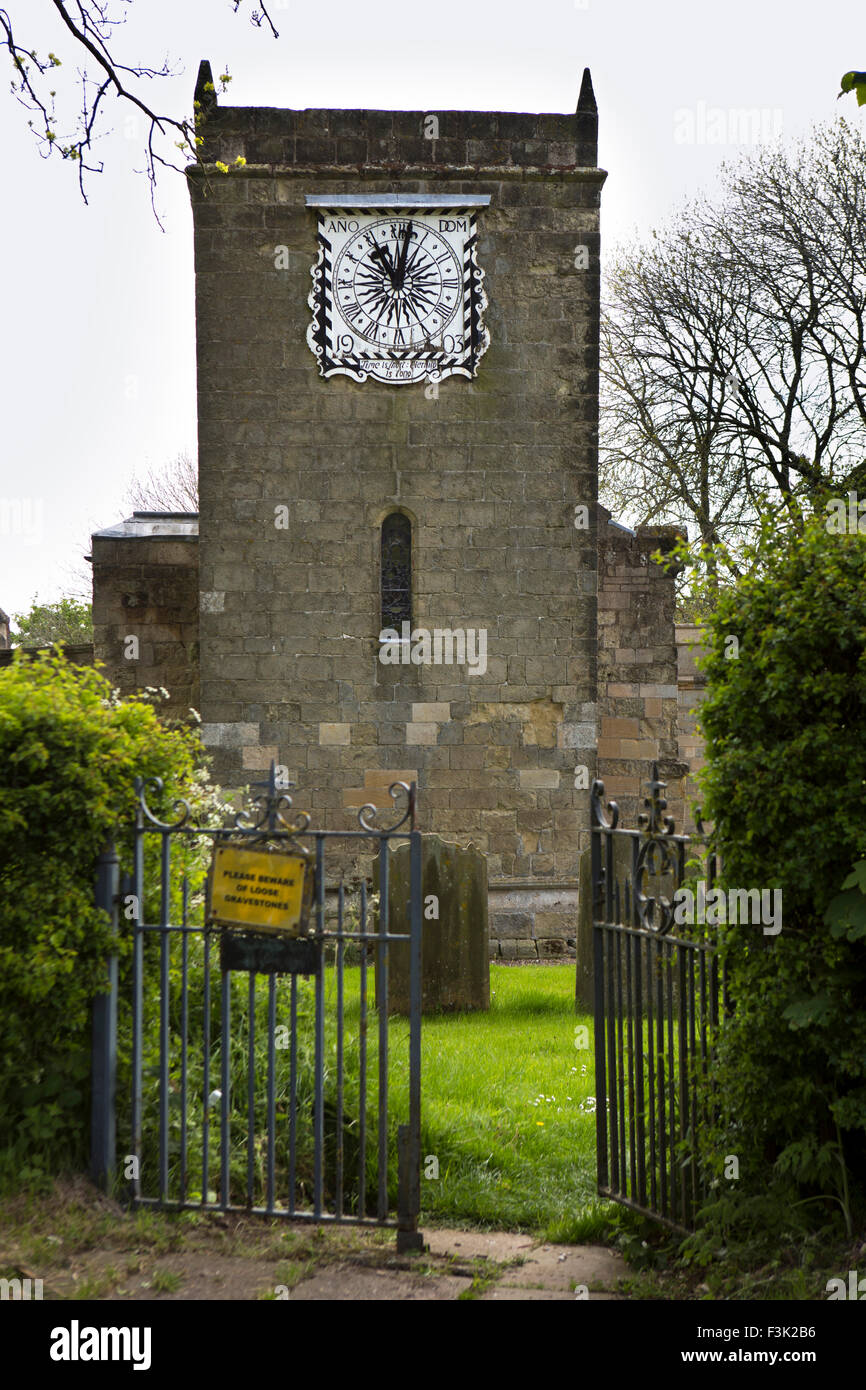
(508, 1110)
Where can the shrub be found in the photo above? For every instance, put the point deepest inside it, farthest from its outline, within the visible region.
(68, 620)
(69, 752)
(785, 790)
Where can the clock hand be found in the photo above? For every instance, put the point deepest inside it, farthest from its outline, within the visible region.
(413, 259)
(401, 264)
(380, 254)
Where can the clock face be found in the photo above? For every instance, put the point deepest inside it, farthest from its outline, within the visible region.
(397, 294)
(398, 283)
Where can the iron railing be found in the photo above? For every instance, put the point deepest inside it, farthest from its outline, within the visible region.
(659, 1000)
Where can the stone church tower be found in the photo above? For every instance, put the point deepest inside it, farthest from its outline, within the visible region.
(333, 508)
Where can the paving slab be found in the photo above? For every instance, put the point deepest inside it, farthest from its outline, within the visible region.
(507, 1293)
(343, 1282)
(535, 1270)
(495, 1245)
(560, 1266)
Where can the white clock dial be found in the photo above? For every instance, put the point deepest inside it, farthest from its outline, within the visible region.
(397, 290)
(397, 284)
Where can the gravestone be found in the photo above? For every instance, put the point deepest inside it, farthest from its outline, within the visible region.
(455, 969)
(585, 990)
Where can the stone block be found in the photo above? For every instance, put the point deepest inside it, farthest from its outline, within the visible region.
(536, 778)
(525, 950)
(229, 735)
(618, 728)
(259, 756)
(576, 736)
(385, 776)
(549, 924)
(421, 734)
(511, 925)
(338, 735)
(430, 714)
(555, 947)
(509, 948)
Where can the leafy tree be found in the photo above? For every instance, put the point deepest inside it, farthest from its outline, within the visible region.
(785, 789)
(88, 39)
(734, 347)
(854, 82)
(67, 620)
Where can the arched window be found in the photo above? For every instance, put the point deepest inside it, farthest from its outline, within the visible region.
(396, 570)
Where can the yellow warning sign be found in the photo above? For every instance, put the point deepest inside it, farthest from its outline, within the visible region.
(260, 890)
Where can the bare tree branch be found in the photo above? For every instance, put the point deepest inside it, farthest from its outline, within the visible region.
(91, 26)
(258, 16)
(172, 488)
(734, 347)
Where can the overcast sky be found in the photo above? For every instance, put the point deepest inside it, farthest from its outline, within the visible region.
(98, 346)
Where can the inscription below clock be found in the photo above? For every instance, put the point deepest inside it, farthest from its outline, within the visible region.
(398, 284)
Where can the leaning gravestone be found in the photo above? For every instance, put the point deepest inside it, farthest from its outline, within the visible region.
(455, 963)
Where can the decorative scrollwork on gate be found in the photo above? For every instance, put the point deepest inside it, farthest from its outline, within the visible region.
(180, 806)
(653, 820)
(608, 820)
(366, 812)
(270, 812)
(658, 857)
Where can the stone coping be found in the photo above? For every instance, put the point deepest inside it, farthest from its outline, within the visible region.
(449, 172)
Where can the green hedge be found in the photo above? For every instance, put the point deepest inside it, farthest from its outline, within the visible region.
(69, 752)
(785, 790)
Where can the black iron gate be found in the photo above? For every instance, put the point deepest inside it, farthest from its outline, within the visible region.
(658, 1003)
(263, 1085)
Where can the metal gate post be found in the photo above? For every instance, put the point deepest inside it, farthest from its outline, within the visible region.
(409, 1136)
(600, 874)
(103, 1120)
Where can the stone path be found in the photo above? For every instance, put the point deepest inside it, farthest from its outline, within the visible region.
(82, 1245)
(544, 1271)
(487, 1266)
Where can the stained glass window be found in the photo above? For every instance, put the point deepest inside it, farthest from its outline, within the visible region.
(396, 570)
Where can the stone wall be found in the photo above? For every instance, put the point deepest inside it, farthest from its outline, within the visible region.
(541, 925)
(145, 587)
(637, 658)
(489, 471)
(76, 653)
(692, 688)
(526, 922)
